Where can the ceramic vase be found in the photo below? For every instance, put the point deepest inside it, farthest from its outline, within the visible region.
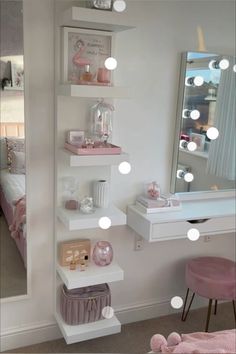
(101, 194)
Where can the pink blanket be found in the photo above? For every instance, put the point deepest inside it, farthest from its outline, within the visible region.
(196, 343)
(201, 342)
(19, 217)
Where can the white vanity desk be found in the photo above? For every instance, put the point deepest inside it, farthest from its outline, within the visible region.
(210, 217)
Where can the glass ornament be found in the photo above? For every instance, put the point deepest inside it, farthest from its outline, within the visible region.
(102, 253)
(101, 121)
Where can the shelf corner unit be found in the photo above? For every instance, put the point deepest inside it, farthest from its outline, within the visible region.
(96, 19)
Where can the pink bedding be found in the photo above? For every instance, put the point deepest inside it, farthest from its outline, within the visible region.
(196, 343)
(20, 240)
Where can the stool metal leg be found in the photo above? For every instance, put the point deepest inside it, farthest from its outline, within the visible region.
(184, 315)
(208, 315)
(234, 310)
(215, 311)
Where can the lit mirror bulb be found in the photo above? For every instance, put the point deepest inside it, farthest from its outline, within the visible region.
(194, 114)
(110, 63)
(223, 64)
(192, 146)
(119, 5)
(183, 144)
(194, 81)
(212, 133)
(188, 177)
(198, 81)
(180, 174)
(234, 68)
(185, 113)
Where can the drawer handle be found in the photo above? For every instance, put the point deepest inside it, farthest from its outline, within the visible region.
(197, 221)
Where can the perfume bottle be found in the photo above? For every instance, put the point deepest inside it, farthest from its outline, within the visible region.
(86, 260)
(82, 266)
(87, 75)
(73, 265)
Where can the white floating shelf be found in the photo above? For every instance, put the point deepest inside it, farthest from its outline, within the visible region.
(74, 160)
(96, 19)
(75, 220)
(93, 91)
(73, 334)
(93, 275)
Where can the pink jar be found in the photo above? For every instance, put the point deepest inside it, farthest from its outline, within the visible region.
(102, 253)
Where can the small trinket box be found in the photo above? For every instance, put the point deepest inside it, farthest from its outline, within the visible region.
(75, 137)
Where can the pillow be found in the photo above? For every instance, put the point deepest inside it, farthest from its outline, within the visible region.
(17, 162)
(3, 152)
(14, 144)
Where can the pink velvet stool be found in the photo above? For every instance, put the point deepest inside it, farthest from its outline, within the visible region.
(213, 278)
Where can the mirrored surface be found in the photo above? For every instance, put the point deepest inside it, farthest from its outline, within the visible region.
(13, 237)
(204, 150)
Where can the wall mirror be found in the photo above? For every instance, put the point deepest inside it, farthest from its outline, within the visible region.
(204, 149)
(13, 237)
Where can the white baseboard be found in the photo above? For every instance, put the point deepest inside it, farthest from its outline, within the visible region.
(37, 333)
(30, 335)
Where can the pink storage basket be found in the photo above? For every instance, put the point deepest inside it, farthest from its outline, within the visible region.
(84, 305)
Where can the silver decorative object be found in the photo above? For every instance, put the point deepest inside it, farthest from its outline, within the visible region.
(86, 205)
(101, 4)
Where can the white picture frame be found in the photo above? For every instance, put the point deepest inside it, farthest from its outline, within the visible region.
(94, 47)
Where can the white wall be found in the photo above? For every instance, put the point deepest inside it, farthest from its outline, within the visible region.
(149, 61)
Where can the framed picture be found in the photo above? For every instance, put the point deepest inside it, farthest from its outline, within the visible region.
(17, 76)
(199, 139)
(84, 53)
(75, 250)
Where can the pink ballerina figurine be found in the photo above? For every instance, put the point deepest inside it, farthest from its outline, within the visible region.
(77, 60)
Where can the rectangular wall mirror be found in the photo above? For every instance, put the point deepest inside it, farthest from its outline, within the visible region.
(13, 237)
(204, 148)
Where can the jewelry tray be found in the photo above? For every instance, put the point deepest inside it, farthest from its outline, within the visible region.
(110, 149)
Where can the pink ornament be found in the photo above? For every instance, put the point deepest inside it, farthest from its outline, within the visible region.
(102, 253)
(153, 190)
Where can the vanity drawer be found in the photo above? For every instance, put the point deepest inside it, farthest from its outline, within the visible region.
(179, 229)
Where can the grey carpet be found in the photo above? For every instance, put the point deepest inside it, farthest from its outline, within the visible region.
(13, 276)
(135, 337)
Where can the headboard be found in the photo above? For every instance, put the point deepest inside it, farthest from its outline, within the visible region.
(12, 129)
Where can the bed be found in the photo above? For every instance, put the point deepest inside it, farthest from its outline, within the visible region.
(12, 189)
